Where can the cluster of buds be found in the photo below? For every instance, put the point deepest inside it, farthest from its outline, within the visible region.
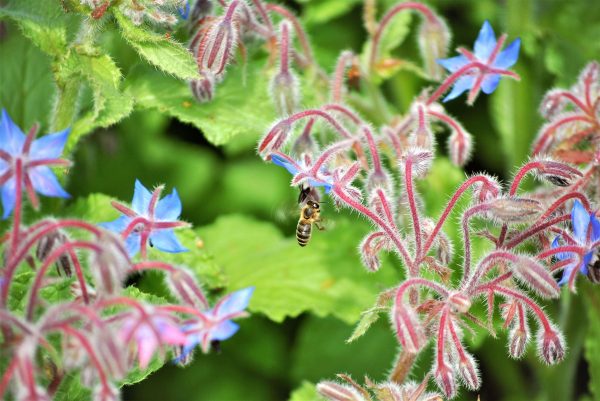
(221, 30)
(426, 308)
(104, 330)
(161, 12)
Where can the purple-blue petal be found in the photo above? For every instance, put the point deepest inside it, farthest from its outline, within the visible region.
(192, 341)
(133, 244)
(580, 219)
(117, 226)
(453, 63)
(509, 56)
(169, 207)
(49, 146)
(485, 42)
(490, 83)
(11, 136)
(166, 241)
(184, 11)
(141, 199)
(224, 330)
(8, 197)
(280, 161)
(45, 182)
(560, 255)
(235, 302)
(462, 84)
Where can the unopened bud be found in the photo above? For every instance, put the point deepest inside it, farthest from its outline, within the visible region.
(460, 146)
(557, 173)
(408, 328)
(590, 75)
(551, 345)
(420, 160)
(186, 288)
(51, 242)
(552, 104)
(514, 210)
(469, 373)
(218, 44)
(369, 249)
(338, 392)
(536, 277)
(518, 338)
(434, 39)
(284, 85)
(379, 180)
(459, 302)
(110, 264)
(305, 144)
(203, 88)
(487, 190)
(274, 139)
(445, 379)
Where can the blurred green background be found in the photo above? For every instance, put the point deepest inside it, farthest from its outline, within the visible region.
(244, 209)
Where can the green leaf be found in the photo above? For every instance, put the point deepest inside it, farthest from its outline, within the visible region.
(41, 21)
(26, 81)
(166, 54)
(110, 104)
(306, 392)
(319, 12)
(367, 318)
(240, 107)
(325, 278)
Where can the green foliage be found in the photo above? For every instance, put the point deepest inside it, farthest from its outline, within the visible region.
(306, 392)
(592, 345)
(325, 278)
(158, 50)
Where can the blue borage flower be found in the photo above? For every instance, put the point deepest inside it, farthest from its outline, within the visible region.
(149, 220)
(584, 224)
(216, 324)
(184, 11)
(296, 169)
(34, 155)
(486, 54)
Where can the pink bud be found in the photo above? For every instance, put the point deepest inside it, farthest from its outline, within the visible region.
(486, 190)
(369, 249)
(459, 302)
(203, 89)
(110, 264)
(274, 139)
(469, 373)
(338, 392)
(551, 345)
(186, 288)
(420, 160)
(434, 39)
(518, 338)
(460, 146)
(51, 242)
(218, 44)
(557, 173)
(534, 275)
(445, 379)
(514, 210)
(284, 85)
(552, 104)
(408, 327)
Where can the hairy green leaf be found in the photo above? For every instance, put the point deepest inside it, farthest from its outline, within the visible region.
(324, 278)
(306, 392)
(158, 50)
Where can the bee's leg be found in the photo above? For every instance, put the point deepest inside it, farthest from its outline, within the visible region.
(319, 226)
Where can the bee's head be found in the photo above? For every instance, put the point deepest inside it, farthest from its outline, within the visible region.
(313, 204)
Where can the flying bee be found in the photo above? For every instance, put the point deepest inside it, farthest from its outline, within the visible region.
(309, 214)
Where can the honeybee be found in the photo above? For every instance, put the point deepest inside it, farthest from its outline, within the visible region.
(309, 214)
(594, 268)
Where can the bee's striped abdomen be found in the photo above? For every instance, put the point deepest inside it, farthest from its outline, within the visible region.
(303, 233)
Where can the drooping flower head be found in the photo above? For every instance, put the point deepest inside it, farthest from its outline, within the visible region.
(302, 171)
(482, 69)
(586, 231)
(150, 220)
(217, 324)
(24, 163)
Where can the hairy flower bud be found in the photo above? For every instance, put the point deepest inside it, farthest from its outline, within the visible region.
(514, 210)
(469, 372)
(434, 39)
(185, 287)
(369, 250)
(284, 85)
(460, 146)
(518, 338)
(486, 190)
(219, 42)
(203, 88)
(459, 302)
(338, 392)
(536, 277)
(445, 379)
(420, 160)
(408, 327)
(552, 104)
(274, 139)
(551, 345)
(48, 244)
(110, 264)
(557, 173)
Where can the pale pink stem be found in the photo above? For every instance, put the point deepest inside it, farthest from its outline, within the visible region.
(408, 183)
